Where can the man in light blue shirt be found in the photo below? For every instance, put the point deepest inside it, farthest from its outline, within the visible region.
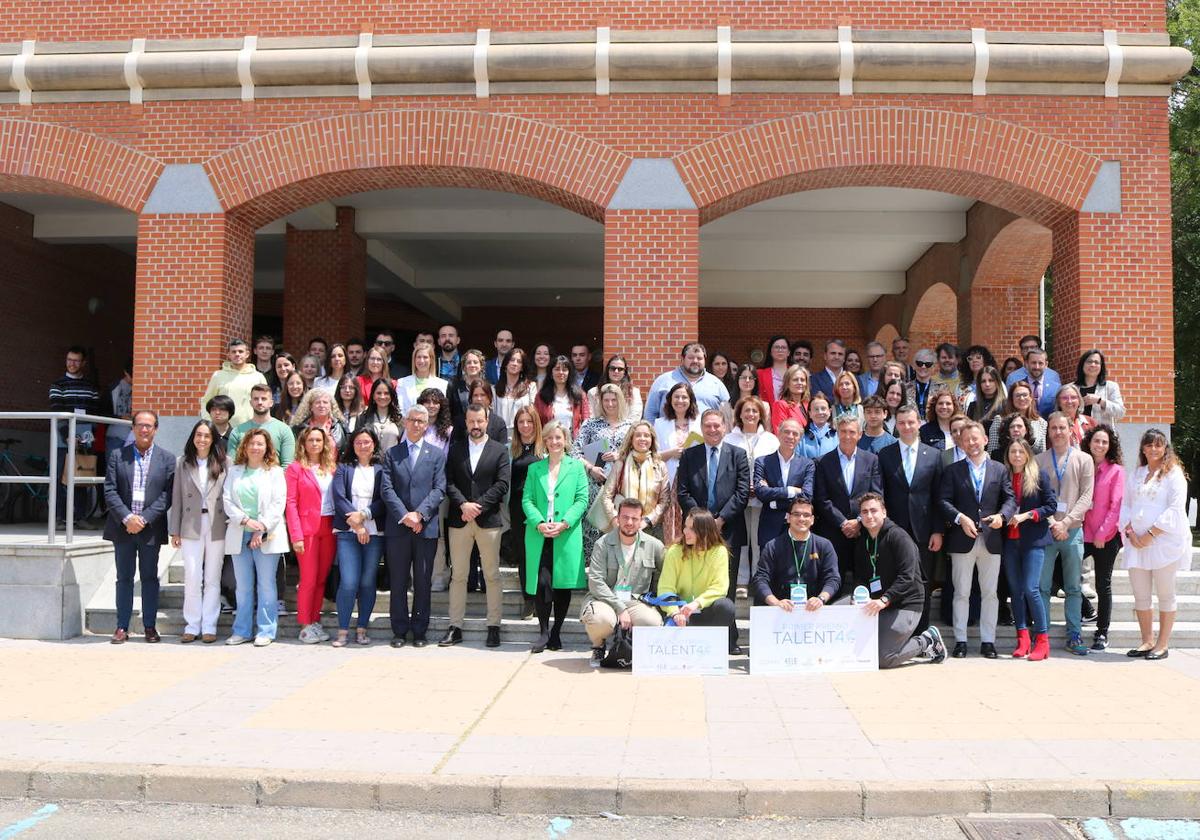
(709, 390)
(871, 378)
(1042, 380)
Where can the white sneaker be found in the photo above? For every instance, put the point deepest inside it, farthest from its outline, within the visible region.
(262, 641)
(236, 640)
(321, 633)
(309, 634)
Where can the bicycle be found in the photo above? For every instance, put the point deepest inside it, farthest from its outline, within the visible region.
(22, 501)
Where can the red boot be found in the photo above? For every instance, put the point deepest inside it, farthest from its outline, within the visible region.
(1022, 645)
(1041, 647)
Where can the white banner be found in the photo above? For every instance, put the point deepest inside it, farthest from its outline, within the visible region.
(841, 638)
(675, 651)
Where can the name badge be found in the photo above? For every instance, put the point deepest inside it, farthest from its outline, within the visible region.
(624, 594)
(1062, 507)
(799, 593)
(139, 496)
(876, 586)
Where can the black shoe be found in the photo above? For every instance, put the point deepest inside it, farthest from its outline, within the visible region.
(554, 641)
(420, 642)
(539, 645)
(1138, 653)
(597, 656)
(960, 650)
(987, 650)
(1088, 611)
(1099, 641)
(1155, 655)
(398, 641)
(453, 637)
(1005, 618)
(493, 639)
(736, 650)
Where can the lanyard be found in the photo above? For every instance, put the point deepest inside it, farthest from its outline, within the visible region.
(803, 559)
(872, 555)
(1066, 459)
(977, 478)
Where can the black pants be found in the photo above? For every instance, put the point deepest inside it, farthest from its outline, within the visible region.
(1104, 559)
(512, 545)
(547, 596)
(735, 555)
(410, 556)
(927, 565)
(720, 613)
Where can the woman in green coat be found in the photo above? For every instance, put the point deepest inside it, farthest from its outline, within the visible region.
(555, 500)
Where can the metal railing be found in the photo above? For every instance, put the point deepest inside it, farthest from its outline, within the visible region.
(72, 420)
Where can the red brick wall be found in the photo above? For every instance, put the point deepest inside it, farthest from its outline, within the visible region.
(325, 283)
(46, 289)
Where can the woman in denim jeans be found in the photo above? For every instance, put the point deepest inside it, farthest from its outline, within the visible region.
(254, 498)
(357, 518)
(1025, 541)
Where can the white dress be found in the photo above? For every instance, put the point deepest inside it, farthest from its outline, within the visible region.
(1161, 503)
(671, 438)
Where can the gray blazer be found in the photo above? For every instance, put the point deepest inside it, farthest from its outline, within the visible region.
(605, 564)
(407, 487)
(118, 494)
(187, 504)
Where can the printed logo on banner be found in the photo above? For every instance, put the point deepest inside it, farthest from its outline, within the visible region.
(687, 651)
(840, 638)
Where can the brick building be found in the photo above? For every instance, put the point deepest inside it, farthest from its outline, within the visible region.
(638, 174)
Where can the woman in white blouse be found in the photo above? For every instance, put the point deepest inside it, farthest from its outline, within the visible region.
(514, 389)
(1101, 397)
(752, 435)
(1158, 538)
(680, 418)
(358, 520)
(423, 376)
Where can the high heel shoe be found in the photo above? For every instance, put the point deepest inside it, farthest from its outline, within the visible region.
(1022, 645)
(1041, 648)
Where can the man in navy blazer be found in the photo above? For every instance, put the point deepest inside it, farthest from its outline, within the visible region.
(774, 488)
(837, 513)
(414, 484)
(975, 499)
(823, 381)
(137, 488)
(726, 500)
(912, 477)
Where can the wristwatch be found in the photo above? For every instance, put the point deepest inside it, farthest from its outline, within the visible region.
(883, 599)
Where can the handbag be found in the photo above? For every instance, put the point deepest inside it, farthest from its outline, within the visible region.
(597, 516)
(85, 467)
(620, 652)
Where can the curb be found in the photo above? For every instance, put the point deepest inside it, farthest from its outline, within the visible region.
(499, 795)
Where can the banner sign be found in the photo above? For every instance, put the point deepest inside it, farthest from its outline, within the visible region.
(840, 638)
(676, 651)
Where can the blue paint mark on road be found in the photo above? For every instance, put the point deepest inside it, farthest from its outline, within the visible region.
(43, 813)
(558, 828)
(1097, 829)
(1139, 828)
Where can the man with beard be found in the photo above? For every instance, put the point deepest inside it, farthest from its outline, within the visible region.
(709, 390)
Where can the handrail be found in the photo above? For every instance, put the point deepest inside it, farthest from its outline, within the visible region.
(72, 419)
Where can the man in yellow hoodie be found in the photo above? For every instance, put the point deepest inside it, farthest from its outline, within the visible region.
(235, 379)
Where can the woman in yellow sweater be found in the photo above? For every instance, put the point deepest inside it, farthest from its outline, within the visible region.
(697, 570)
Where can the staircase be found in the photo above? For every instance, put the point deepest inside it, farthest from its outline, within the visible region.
(1123, 633)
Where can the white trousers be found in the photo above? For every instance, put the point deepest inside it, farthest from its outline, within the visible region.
(202, 561)
(1163, 581)
(989, 574)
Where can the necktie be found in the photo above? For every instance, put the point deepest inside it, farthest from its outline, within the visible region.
(714, 461)
(909, 464)
(414, 449)
(1037, 390)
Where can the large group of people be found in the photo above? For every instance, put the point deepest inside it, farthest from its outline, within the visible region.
(802, 480)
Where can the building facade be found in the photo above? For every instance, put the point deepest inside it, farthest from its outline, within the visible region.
(172, 171)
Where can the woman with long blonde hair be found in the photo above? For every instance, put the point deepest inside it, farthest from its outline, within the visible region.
(641, 474)
(1024, 551)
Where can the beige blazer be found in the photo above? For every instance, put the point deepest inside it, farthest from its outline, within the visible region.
(187, 502)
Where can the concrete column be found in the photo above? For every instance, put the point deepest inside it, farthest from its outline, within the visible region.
(325, 284)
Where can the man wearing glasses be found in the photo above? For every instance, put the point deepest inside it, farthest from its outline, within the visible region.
(871, 378)
(386, 342)
(922, 386)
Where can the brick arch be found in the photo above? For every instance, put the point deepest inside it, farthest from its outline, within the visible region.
(886, 334)
(934, 318)
(43, 158)
(1012, 167)
(303, 164)
(1006, 280)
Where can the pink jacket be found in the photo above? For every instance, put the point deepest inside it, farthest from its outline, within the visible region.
(303, 509)
(1100, 523)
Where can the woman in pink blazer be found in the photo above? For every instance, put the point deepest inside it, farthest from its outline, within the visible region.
(309, 515)
(1101, 540)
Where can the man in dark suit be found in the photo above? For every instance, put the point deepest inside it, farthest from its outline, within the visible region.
(824, 380)
(581, 361)
(975, 500)
(912, 476)
(716, 476)
(137, 488)
(780, 477)
(477, 479)
(413, 485)
(841, 477)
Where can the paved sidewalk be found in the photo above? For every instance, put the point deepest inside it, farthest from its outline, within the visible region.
(472, 712)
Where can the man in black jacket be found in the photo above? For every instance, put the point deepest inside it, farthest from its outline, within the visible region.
(477, 479)
(912, 475)
(797, 568)
(841, 477)
(886, 558)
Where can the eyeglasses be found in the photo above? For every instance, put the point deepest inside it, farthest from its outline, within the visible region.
(143, 425)
(385, 344)
(875, 355)
(924, 364)
(616, 368)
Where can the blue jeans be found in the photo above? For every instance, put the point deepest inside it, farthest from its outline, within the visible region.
(357, 566)
(1023, 567)
(142, 554)
(1070, 551)
(251, 565)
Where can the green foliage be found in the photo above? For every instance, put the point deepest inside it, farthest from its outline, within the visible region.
(1183, 24)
